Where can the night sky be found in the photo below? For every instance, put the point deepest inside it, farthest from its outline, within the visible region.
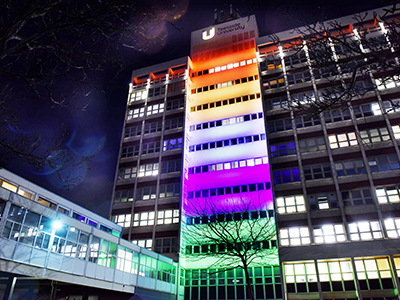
(96, 129)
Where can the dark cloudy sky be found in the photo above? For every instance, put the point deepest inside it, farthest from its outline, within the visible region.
(97, 128)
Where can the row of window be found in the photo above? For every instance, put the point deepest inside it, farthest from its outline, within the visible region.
(139, 112)
(351, 167)
(228, 121)
(225, 102)
(225, 67)
(335, 141)
(55, 206)
(152, 147)
(228, 142)
(286, 124)
(150, 192)
(154, 127)
(251, 162)
(362, 196)
(338, 275)
(147, 218)
(223, 248)
(253, 187)
(224, 84)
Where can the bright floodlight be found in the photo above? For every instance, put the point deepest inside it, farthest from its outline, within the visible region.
(56, 224)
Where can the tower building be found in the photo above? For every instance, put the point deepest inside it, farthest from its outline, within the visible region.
(221, 137)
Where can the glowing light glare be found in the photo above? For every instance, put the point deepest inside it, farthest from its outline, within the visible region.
(56, 224)
(383, 28)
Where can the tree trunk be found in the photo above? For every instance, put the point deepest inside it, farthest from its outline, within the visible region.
(249, 285)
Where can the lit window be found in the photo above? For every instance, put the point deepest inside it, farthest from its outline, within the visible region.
(388, 194)
(392, 227)
(342, 140)
(123, 220)
(396, 131)
(300, 273)
(365, 230)
(291, 204)
(143, 243)
(377, 269)
(148, 170)
(374, 135)
(9, 186)
(328, 234)
(143, 219)
(217, 69)
(211, 70)
(294, 236)
(168, 216)
(334, 271)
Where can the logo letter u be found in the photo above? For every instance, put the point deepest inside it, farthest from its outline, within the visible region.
(208, 35)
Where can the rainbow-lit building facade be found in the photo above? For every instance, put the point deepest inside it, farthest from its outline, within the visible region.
(225, 170)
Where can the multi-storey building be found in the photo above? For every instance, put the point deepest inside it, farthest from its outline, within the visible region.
(336, 173)
(194, 135)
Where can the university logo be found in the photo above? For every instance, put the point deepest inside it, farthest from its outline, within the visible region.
(206, 35)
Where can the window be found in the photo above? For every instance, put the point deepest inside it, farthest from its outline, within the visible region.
(171, 166)
(143, 219)
(130, 151)
(328, 234)
(127, 260)
(279, 125)
(284, 149)
(336, 275)
(291, 204)
(322, 201)
(167, 216)
(300, 277)
(357, 197)
(172, 144)
(152, 127)
(226, 143)
(251, 162)
(176, 87)
(123, 196)
(122, 220)
(170, 190)
(8, 186)
(135, 113)
(47, 203)
(337, 115)
(126, 173)
(228, 190)
(307, 121)
(396, 131)
(365, 230)
(133, 131)
(173, 123)
(299, 77)
(317, 171)
(155, 109)
(383, 162)
(393, 227)
(167, 245)
(366, 110)
(342, 140)
(391, 105)
(294, 236)
(285, 176)
(351, 167)
(175, 104)
(276, 103)
(388, 194)
(374, 135)
(148, 243)
(374, 273)
(274, 83)
(298, 57)
(136, 96)
(146, 193)
(148, 170)
(312, 144)
(152, 147)
(157, 91)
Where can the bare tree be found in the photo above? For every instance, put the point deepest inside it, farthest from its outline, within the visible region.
(345, 60)
(57, 53)
(230, 235)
